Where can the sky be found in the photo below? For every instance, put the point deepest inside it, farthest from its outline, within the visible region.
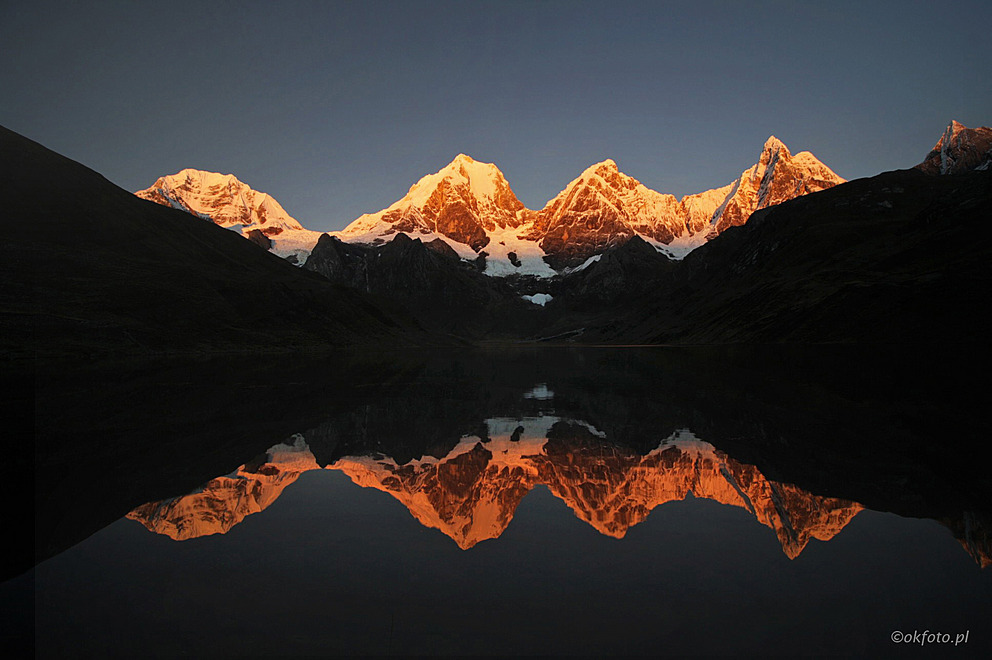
(337, 108)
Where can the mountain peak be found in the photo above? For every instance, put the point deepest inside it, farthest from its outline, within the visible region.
(191, 178)
(959, 149)
(463, 166)
(776, 177)
(953, 129)
(482, 179)
(774, 144)
(226, 201)
(605, 166)
(192, 172)
(463, 201)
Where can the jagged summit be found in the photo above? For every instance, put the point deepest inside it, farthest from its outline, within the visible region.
(604, 206)
(959, 149)
(778, 176)
(604, 168)
(774, 143)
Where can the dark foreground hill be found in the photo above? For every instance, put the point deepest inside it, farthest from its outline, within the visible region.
(88, 268)
(899, 258)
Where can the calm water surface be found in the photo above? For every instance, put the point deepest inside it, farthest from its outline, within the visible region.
(535, 502)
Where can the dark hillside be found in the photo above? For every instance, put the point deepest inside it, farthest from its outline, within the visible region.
(89, 268)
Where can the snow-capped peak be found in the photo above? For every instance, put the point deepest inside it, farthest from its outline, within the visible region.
(470, 206)
(230, 203)
(953, 130)
(221, 197)
(463, 201)
(774, 144)
(483, 180)
(605, 173)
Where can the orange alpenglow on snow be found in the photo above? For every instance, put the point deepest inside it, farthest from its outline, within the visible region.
(470, 206)
(472, 493)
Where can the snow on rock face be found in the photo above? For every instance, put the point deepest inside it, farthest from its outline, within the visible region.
(959, 149)
(221, 197)
(605, 207)
(509, 253)
(778, 176)
(464, 201)
(601, 208)
(541, 299)
(226, 201)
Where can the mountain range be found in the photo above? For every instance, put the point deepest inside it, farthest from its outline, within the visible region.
(470, 206)
(785, 253)
(472, 493)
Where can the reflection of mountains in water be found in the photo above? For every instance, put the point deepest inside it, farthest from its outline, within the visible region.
(867, 426)
(471, 493)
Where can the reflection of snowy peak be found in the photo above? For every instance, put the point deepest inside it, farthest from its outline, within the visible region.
(959, 149)
(472, 493)
(228, 202)
(615, 491)
(225, 501)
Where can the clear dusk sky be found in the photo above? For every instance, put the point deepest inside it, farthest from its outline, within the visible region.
(336, 108)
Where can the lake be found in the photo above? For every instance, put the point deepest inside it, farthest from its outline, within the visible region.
(526, 501)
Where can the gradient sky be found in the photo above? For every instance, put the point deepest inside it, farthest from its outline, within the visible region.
(335, 109)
